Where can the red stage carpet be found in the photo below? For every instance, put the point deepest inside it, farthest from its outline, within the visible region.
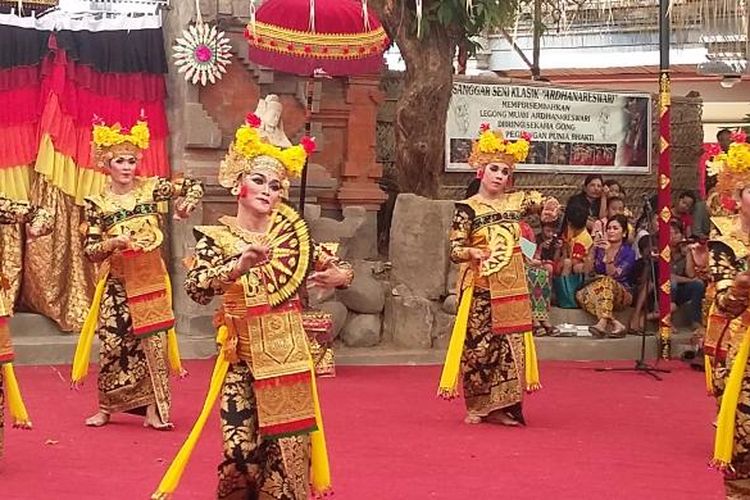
(590, 436)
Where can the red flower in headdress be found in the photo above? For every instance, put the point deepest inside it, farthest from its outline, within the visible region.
(712, 149)
(526, 136)
(484, 127)
(252, 120)
(739, 136)
(729, 203)
(308, 144)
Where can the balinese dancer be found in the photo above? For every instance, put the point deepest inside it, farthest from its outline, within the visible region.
(728, 337)
(132, 308)
(491, 342)
(39, 222)
(256, 261)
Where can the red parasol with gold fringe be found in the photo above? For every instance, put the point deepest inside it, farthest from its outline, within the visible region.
(302, 37)
(316, 38)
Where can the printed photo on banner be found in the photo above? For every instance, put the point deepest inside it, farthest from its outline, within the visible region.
(573, 130)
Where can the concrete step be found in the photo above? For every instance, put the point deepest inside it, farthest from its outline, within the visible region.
(37, 341)
(580, 317)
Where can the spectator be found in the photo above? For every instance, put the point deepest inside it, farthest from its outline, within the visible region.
(644, 272)
(575, 247)
(539, 274)
(644, 229)
(724, 138)
(613, 188)
(591, 198)
(687, 287)
(683, 211)
(611, 262)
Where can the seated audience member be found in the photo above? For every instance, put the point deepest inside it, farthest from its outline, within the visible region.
(644, 273)
(575, 247)
(591, 198)
(687, 287)
(683, 211)
(539, 273)
(611, 262)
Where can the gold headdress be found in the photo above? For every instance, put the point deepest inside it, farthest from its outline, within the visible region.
(249, 152)
(493, 147)
(111, 141)
(732, 167)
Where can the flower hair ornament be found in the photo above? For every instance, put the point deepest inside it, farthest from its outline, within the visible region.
(110, 141)
(249, 152)
(492, 147)
(732, 167)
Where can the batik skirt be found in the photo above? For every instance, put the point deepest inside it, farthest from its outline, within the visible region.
(492, 365)
(133, 372)
(254, 468)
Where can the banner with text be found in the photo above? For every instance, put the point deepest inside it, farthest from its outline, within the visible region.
(573, 131)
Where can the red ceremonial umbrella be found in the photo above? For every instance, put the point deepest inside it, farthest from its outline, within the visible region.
(339, 37)
(314, 38)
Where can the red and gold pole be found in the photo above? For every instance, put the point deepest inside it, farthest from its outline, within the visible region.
(664, 183)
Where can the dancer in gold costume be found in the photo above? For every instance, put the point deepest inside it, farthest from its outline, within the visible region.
(132, 308)
(39, 222)
(492, 339)
(727, 337)
(256, 261)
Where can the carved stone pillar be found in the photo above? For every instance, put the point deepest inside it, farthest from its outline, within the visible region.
(361, 172)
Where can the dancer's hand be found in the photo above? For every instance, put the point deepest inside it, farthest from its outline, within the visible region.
(330, 278)
(477, 255)
(251, 257)
(121, 242)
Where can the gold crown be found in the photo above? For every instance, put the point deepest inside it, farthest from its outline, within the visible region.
(249, 152)
(492, 146)
(110, 141)
(732, 167)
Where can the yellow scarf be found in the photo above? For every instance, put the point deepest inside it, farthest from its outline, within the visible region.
(15, 401)
(448, 388)
(724, 443)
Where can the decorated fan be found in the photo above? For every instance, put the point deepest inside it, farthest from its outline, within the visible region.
(501, 244)
(202, 53)
(290, 255)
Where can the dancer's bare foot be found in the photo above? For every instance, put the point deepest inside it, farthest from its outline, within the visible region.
(502, 418)
(99, 419)
(472, 419)
(152, 420)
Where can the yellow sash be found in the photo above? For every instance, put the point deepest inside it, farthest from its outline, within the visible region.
(321, 472)
(15, 401)
(724, 443)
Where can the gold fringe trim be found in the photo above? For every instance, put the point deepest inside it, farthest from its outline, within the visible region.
(83, 348)
(724, 442)
(173, 348)
(531, 363)
(448, 388)
(15, 401)
(708, 369)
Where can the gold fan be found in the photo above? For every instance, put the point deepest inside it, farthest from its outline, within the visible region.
(290, 252)
(500, 241)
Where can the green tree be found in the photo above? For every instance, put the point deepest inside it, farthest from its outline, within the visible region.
(447, 26)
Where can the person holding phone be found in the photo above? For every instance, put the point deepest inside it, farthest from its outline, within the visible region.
(611, 262)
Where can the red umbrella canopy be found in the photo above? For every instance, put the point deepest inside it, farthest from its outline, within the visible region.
(340, 37)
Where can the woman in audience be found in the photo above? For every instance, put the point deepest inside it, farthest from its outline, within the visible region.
(539, 272)
(612, 261)
(591, 198)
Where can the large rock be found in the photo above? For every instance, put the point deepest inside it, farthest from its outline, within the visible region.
(338, 312)
(450, 304)
(365, 295)
(362, 330)
(419, 244)
(409, 321)
(442, 328)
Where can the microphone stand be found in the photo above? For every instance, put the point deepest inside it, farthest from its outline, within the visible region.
(640, 364)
